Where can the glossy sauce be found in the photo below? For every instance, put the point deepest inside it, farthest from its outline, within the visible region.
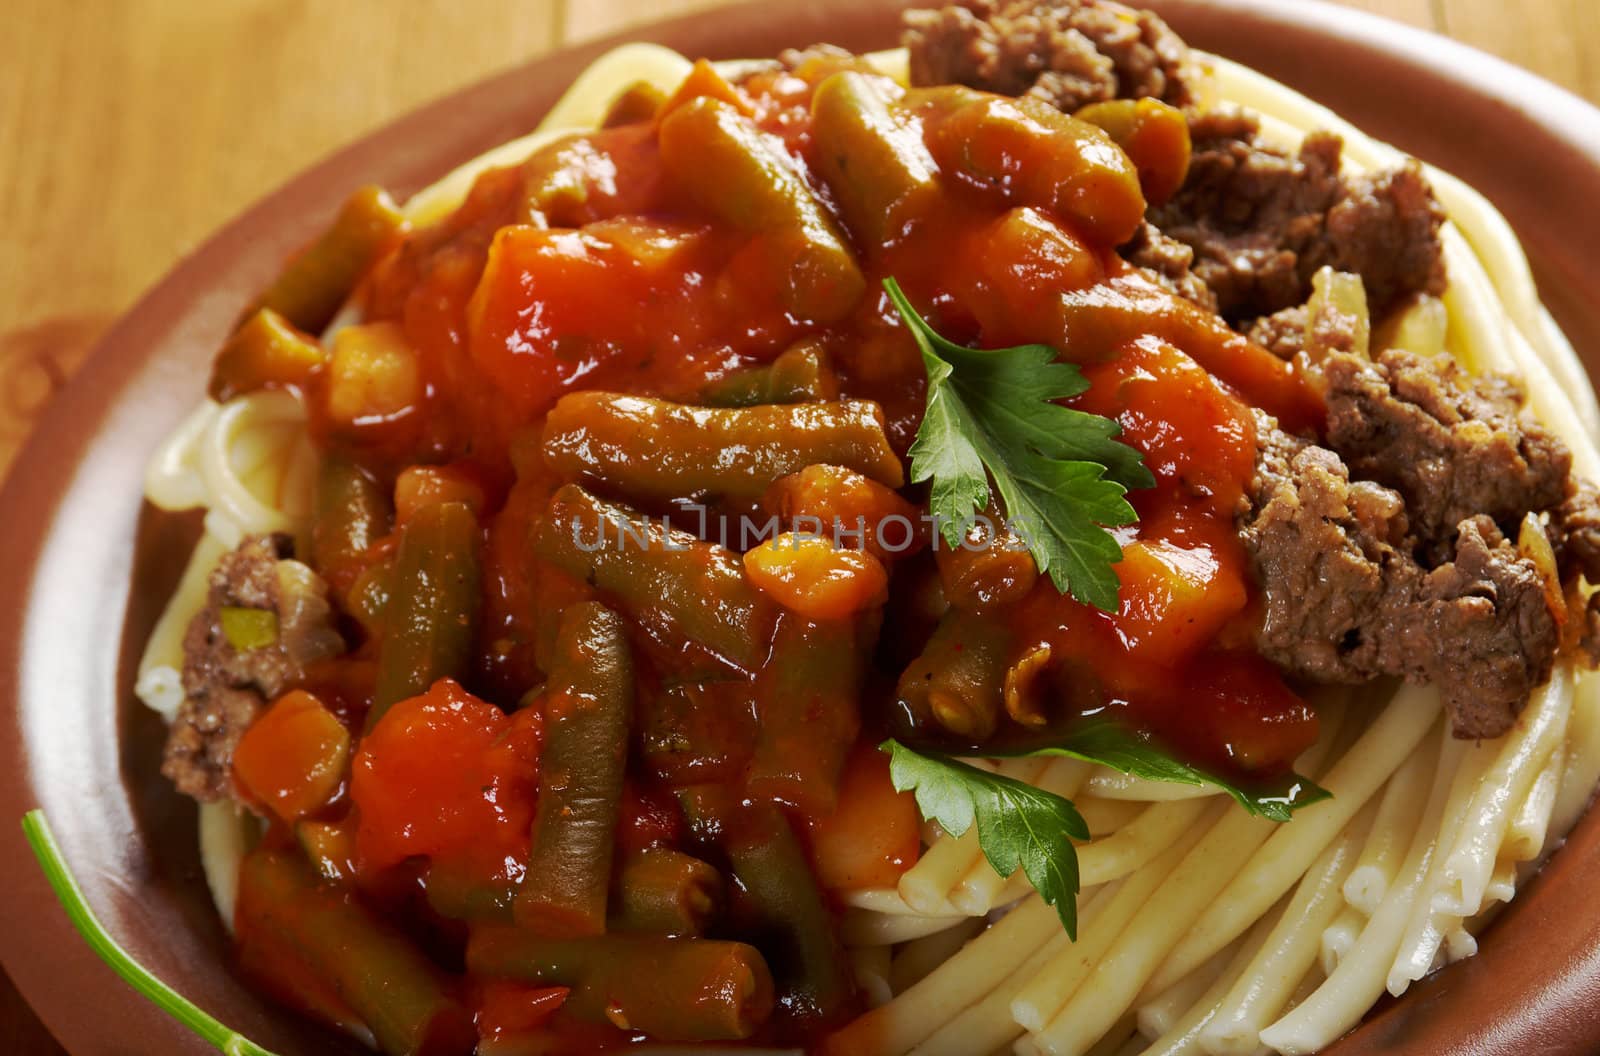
(619, 281)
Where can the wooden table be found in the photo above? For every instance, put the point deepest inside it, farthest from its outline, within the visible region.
(130, 129)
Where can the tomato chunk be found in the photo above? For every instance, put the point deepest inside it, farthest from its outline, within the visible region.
(446, 776)
(873, 835)
(292, 759)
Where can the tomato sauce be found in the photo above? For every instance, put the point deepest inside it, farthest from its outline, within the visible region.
(589, 267)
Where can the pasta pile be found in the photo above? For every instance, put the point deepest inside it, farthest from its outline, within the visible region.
(1202, 929)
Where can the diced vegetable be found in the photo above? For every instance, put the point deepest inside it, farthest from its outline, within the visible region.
(800, 374)
(810, 576)
(285, 913)
(247, 629)
(666, 892)
(432, 612)
(958, 679)
(873, 158)
(373, 376)
(1154, 135)
(651, 449)
(658, 574)
(264, 351)
(738, 174)
(807, 711)
(688, 990)
(292, 759)
(874, 833)
(315, 282)
(588, 706)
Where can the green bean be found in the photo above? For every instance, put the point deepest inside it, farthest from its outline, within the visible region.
(653, 449)
(959, 678)
(312, 286)
(378, 973)
(780, 892)
(264, 350)
(807, 717)
(877, 165)
(460, 892)
(800, 374)
(431, 617)
(666, 892)
(588, 706)
(1035, 155)
(735, 172)
(991, 566)
(352, 512)
(688, 990)
(658, 575)
(695, 731)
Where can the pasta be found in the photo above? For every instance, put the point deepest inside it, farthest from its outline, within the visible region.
(1203, 926)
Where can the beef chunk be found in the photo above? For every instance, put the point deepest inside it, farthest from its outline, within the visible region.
(1453, 445)
(1069, 53)
(226, 688)
(1262, 222)
(1345, 600)
(1169, 263)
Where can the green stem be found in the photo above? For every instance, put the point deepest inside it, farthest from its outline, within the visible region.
(174, 1004)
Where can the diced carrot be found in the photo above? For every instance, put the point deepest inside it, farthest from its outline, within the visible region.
(873, 835)
(292, 758)
(809, 575)
(419, 486)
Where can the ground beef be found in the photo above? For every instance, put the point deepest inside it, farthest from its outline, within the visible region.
(1069, 53)
(1453, 445)
(1169, 262)
(1282, 333)
(1345, 600)
(1262, 222)
(226, 688)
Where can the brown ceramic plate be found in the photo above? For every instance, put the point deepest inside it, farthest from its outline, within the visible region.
(86, 565)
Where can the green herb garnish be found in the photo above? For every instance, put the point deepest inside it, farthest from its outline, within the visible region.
(43, 842)
(1060, 473)
(1111, 745)
(1018, 825)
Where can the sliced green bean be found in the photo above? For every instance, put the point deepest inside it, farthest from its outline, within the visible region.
(352, 512)
(958, 680)
(431, 617)
(313, 285)
(588, 706)
(807, 712)
(1033, 154)
(653, 449)
(737, 173)
(800, 374)
(880, 170)
(795, 927)
(688, 990)
(264, 350)
(660, 576)
(373, 969)
(460, 892)
(666, 892)
(991, 566)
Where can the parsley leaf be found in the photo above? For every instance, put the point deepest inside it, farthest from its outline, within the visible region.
(1060, 473)
(1018, 825)
(1111, 745)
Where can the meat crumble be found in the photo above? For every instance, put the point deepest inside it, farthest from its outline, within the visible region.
(225, 687)
(1069, 53)
(1386, 548)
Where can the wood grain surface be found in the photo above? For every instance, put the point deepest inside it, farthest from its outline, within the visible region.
(130, 129)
